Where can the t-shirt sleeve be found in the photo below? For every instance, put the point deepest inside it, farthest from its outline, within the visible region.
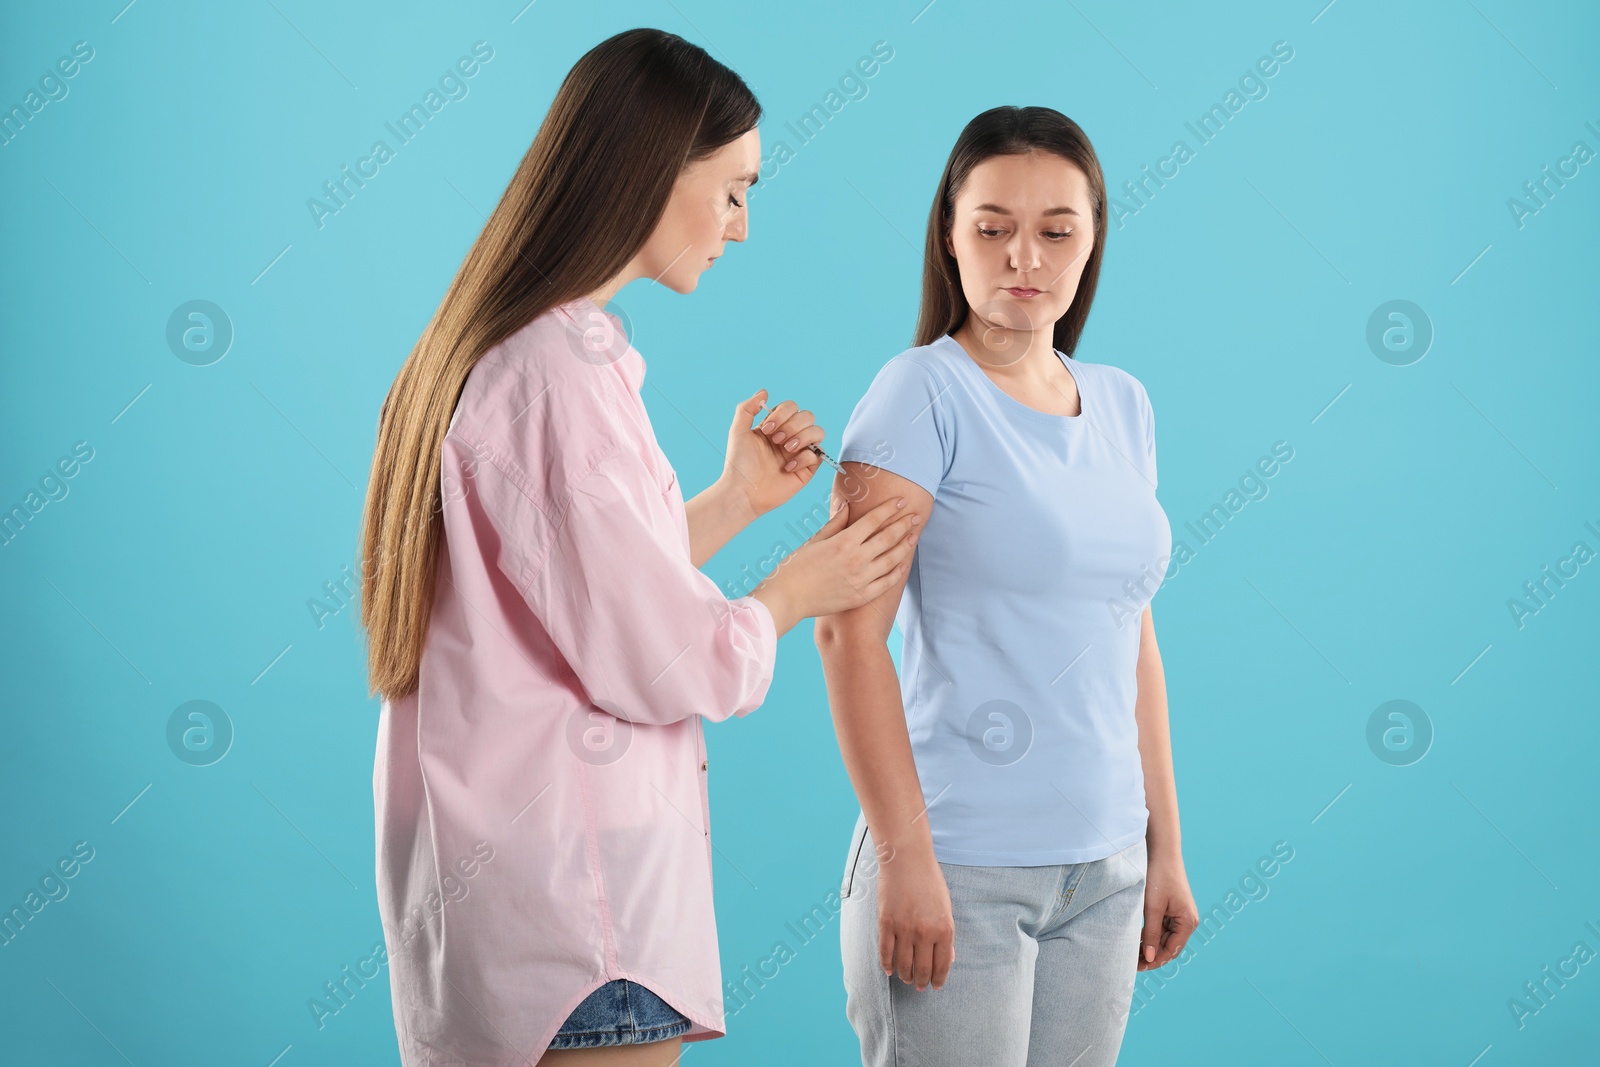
(1149, 434)
(650, 637)
(903, 424)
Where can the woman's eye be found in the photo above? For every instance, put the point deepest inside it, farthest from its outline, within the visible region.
(1054, 235)
(734, 200)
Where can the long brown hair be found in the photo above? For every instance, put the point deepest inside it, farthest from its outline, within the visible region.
(1004, 131)
(632, 112)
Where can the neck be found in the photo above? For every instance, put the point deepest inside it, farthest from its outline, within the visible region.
(1001, 349)
(607, 292)
(602, 296)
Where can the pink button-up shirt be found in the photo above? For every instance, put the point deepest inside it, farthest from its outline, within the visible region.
(543, 824)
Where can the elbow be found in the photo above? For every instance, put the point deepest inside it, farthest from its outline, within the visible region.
(660, 711)
(827, 633)
(716, 671)
(641, 712)
(846, 633)
(640, 700)
(723, 689)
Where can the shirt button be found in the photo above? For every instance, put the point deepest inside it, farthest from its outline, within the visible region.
(704, 764)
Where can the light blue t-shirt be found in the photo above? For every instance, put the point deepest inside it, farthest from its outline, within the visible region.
(1021, 615)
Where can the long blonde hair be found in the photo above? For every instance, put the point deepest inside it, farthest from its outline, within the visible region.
(632, 112)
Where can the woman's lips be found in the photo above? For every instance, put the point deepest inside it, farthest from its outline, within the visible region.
(1024, 293)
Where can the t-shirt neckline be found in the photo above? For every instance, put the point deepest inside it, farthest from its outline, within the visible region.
(1006, 399)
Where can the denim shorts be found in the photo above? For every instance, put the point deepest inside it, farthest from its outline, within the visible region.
(620, 1013)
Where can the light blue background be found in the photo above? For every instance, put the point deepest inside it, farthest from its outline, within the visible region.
(220, 499)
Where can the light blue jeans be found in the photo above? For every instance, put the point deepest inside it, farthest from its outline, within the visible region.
(1045, 962)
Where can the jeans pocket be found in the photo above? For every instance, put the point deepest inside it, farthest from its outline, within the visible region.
(858, 841)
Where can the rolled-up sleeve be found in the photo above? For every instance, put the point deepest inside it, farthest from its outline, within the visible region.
(651, 638)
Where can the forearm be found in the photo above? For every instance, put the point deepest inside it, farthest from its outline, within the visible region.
(1155, 751)
(869, 720)
(714, 516)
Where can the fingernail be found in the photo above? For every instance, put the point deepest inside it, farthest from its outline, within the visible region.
(766, 427)
(792, 445)
(789, 466)
(1149, 953)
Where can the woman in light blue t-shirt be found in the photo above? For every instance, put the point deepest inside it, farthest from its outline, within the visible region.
(1018, 847)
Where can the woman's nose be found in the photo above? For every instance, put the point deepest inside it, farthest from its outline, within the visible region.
(1024, 255)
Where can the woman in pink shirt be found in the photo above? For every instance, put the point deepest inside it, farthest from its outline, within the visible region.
(544, 642)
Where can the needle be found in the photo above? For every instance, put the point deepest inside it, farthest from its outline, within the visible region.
(813, 448)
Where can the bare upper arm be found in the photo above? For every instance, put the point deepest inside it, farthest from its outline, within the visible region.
(863, 487)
